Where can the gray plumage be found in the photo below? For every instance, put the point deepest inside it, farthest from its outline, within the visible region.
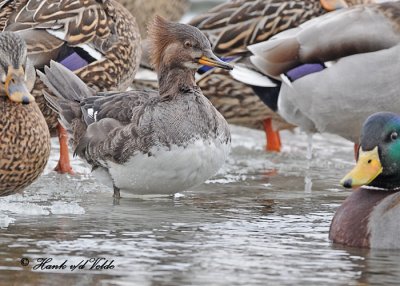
(363, 42)
(15, 44)
(114, 127)
(124, 123)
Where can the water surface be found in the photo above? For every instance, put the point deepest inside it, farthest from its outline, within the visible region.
(263, 220)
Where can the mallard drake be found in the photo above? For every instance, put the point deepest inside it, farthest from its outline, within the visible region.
(231, 27)
(145, 10)
(369, 216)
(25, 138)
(336, 97)
(148, 141)
(99, 40)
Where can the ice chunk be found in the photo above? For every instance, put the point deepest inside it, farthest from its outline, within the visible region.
(66, 208)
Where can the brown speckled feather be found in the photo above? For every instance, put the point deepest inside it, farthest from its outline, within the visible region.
(356, 30)
(24, 136)
(231, 27)
(145, 10)
(105, 26)
(24, 145)
(237, 101)
(363, 44)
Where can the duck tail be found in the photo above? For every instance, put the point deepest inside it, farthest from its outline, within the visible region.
(64, 83)
(67, 91)
(338, 34)
(277, 55)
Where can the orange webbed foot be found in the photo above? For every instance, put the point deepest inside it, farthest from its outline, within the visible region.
(273, 137)
(64, 164)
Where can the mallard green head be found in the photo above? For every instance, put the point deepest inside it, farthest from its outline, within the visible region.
(378, 162)
(15, 71)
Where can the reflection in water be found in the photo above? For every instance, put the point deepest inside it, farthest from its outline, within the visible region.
(252, 224)
(307, 184)
(309, 146)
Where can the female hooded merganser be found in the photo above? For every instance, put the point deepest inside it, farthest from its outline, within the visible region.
(148, 141)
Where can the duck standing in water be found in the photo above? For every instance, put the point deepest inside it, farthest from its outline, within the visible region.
(98, 39)
(332, 81)
(148, 141)
(369, 217)
(25, 138)
(245, 97)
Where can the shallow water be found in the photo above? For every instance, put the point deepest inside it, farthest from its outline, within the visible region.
(263, 220)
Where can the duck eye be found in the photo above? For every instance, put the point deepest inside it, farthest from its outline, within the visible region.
(188, 44)
(394, 136)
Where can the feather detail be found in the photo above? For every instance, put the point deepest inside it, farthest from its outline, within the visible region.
(160, 38)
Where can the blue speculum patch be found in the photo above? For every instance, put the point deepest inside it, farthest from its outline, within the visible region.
(303, 70)
(74, 62)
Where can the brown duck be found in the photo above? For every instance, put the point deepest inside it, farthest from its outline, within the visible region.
(144, 11)
(97, 39)
(25, 138)
(146, 142)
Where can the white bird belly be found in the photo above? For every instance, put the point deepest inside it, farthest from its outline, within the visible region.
(171, 170)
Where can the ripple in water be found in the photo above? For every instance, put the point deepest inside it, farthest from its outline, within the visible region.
(262, 220)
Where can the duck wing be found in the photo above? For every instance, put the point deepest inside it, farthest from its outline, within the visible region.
(98, 39)
(100, 122)
(234, 25)
(116, 105)
(47, 25)
(356, 30)
(112, 126)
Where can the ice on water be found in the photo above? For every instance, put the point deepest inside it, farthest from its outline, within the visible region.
(54, 194)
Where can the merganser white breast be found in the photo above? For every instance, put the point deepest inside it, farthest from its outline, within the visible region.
(148, 142)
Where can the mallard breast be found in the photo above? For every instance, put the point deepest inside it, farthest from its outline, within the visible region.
(24, 145)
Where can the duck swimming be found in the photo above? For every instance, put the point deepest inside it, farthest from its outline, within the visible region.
(147, 142)
(98, 40)
(369, 216)
(25, 138)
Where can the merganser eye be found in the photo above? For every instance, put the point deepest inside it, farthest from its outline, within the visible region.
(188, 44)
(394, 136)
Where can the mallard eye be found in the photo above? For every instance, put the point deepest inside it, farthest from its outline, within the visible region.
(394, 136)
(188, 44)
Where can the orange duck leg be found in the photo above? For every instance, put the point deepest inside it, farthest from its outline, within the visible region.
(64, 165)
(273, 138)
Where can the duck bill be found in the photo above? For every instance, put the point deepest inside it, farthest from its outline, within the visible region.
(211, 60)
(331, 5)
(367, 169)
(15, 86)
